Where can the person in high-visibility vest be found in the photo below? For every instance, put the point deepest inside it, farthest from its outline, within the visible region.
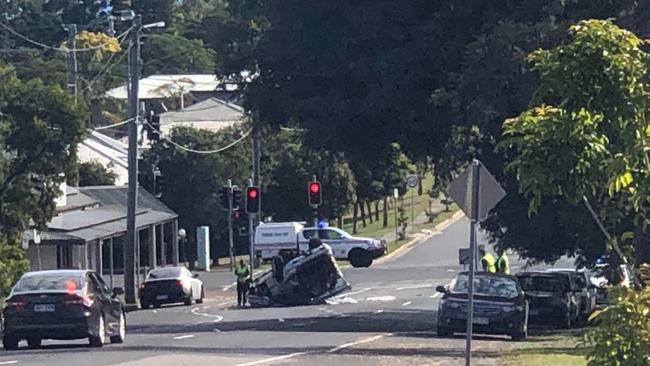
(487, 260)
(243, 273)
(502, 265)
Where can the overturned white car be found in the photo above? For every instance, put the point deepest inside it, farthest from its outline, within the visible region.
(305, 280)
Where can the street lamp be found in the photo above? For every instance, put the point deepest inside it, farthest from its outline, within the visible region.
(181, 239)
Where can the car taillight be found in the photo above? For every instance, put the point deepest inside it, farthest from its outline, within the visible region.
(79, 300)
(15, 303)
(179, 283)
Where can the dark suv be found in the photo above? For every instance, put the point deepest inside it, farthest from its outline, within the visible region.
(499, 306)
(551, 297)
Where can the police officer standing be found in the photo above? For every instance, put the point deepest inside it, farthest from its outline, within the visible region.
(502, 264)
(487, 260)
(243, 273)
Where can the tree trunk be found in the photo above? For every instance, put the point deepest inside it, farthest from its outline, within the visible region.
(377, 210)
(420, 188)
(355, 215)
(385, 211)
(339, 221)
(363, 213)
(369, 205)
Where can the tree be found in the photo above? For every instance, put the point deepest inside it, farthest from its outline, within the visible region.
(95, 174)
(290, 166)
(590, 142)
(39, 127)
(193, 180)
(174, 54)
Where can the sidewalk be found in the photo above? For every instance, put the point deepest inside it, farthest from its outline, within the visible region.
(420, 219)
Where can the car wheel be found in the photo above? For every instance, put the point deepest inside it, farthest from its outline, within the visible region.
(190, 299)
(121, 335)
(519, 336)
(200, 299)
(34, 342)
(367, 260)
(10, 343)
(98, 340)
(444, 332)
(356, 258)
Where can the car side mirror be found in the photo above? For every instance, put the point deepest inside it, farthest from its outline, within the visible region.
(195, 275)
(441, 289)
(117, 291)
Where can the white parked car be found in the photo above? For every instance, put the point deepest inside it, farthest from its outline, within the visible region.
(286, 238)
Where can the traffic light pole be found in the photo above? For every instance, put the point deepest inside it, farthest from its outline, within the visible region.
(251, 234)
(230, 238)
(134, 106)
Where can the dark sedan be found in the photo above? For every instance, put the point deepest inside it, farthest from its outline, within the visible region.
(170, 285)
(551, 298)
(499, 306)
(63, 304)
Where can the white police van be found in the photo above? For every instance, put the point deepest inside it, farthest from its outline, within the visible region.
(285, 238)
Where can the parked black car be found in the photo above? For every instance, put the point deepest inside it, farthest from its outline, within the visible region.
(63, 304)
(583, 289)
(499, 306)
(552, 298)
(170, 285)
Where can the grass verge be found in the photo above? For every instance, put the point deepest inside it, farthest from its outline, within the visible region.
(548, 350)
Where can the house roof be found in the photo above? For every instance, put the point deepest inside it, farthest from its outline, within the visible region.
(211, 114)
(165, 86)
(104, 219)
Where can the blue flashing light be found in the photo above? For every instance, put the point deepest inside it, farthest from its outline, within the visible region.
(322, 224)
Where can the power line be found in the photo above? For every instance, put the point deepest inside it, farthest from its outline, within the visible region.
(107, 67)
(113, 125)
(59, 49)
(207, 152)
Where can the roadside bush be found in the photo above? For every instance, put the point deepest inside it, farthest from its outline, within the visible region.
(622, 336)
(12, 264)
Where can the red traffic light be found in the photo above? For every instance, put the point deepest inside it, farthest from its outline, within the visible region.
(252, 193)
(314, 187)
(314, 194)
(252, 199)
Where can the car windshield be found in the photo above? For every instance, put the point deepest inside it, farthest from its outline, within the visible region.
(542, 283)
(487, 286)
(49, 282)
(164, 273)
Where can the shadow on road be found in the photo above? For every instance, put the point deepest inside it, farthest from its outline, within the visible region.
(367, 322)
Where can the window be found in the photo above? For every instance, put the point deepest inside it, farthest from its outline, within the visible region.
(309, 234)
(50, 282)
(102, 284)
(330, 235)
(487, 286)
(172, 272)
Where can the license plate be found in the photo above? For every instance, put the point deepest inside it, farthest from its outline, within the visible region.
(44, 308)
(481, 321)
(534, 312)
(162, 297)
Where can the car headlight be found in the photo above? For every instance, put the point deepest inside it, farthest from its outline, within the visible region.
(509, 309)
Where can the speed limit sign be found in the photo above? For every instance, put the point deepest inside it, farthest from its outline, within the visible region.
(412, 180)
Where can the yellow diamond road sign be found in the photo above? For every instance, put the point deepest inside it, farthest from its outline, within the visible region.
(490, 192)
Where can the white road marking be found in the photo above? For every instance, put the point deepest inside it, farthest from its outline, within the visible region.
(435, 295)
(352, 344)
(355, 292)
(226, 288)
(413, 287)
(407, 303)
(451, 270)
(272, 359)
(8, 362)
(379, 311)
(215, 317)
(185, 336)
(380, 298)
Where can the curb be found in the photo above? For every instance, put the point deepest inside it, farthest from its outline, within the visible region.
(406, 247)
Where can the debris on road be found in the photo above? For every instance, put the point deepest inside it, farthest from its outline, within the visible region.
(305, 280)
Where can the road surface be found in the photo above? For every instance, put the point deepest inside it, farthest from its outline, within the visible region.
(388, 318)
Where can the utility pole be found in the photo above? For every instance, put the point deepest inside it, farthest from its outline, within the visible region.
(73, 67)
(134, 114)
